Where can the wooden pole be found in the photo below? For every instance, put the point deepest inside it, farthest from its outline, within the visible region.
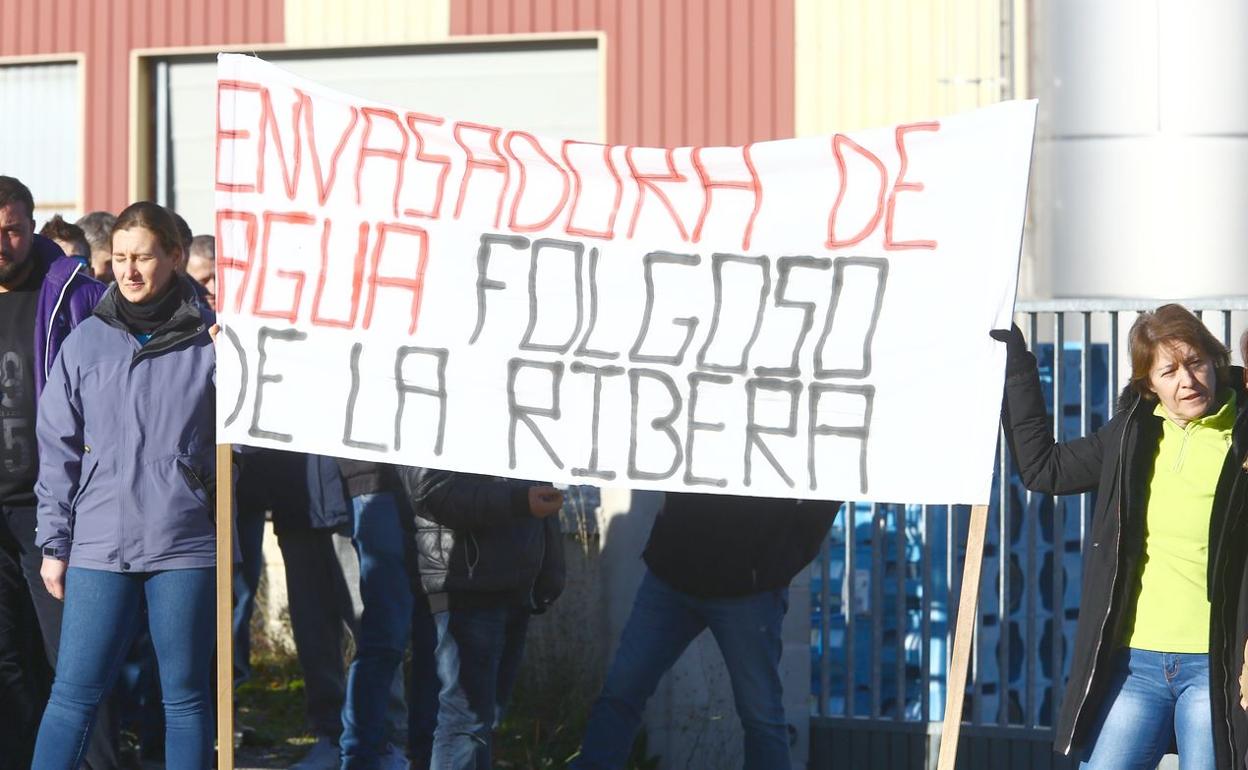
(225, 609)
(967, 607)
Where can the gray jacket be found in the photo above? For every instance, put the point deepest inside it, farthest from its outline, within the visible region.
(126, 444)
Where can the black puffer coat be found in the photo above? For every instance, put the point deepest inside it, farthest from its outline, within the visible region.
(476, 543)
(1117, 463)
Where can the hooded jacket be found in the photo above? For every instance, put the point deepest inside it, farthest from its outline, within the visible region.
(127, 444)
(67, 296)
(476, 543)
(723, 546)
(1117, 462)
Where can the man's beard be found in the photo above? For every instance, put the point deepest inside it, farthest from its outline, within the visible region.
(11, 271)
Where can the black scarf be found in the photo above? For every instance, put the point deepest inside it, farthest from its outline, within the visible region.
(149, 316)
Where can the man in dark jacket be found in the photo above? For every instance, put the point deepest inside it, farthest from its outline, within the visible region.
(43, 295)
(717, 562)
(488, 555)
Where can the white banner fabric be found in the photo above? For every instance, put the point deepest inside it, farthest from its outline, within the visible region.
(800, 318)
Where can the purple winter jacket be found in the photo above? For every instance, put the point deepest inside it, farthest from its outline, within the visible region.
(66, 298)
(127, 444)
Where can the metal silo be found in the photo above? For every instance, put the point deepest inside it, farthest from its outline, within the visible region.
(1140, 183)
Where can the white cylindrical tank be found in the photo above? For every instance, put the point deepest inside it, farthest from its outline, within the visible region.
(1140, 183)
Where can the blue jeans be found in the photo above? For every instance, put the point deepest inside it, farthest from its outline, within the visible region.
(479, 653)
(102, 614)
(663, 623)
(1153, 697)
(422, 687)
(137, 694)
(384, 627)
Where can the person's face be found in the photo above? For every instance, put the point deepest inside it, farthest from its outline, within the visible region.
(102, 265)
(204, 272)
(141, 266)
(1184, 380)
(17, 233)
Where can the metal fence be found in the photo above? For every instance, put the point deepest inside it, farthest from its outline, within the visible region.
(884, 590)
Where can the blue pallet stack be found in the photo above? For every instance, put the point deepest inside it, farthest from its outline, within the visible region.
(1035, 629)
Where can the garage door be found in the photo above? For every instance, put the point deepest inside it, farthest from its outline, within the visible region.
(549, 89)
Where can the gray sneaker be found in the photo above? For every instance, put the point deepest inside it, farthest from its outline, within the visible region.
(322, 756)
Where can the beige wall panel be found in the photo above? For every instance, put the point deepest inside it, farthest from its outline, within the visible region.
(887, 61)
(365, 22)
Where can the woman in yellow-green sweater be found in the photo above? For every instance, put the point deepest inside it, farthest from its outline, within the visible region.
(1164, 605)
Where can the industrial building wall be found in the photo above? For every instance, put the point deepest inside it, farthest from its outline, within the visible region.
(551, 89)
(698, 72)
(862, 64)
(105, 33)
(365, 22)
(695, 72)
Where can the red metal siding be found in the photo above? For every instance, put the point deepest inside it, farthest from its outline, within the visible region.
(106, 31)
(679, 72)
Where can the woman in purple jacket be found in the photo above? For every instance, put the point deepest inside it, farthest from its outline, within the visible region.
(126, 434)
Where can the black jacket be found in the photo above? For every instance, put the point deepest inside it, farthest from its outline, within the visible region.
(720, 546)
(1117, 463)
(303, 491)
(365, 477)
(476, 543)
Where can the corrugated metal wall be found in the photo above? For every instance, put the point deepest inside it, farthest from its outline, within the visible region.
(106, 32)
(698, 72)
(361, 22)
(862, 64)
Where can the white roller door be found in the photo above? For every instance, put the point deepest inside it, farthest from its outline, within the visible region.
(553, 91)
(42, 138)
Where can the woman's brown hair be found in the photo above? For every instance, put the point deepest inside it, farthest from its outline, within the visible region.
(154, 218)
(1170, 325)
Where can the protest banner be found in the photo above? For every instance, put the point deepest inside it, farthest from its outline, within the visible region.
(798, 318)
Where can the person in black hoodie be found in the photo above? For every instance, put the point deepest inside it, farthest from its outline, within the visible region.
(488, 555)
(724, 563)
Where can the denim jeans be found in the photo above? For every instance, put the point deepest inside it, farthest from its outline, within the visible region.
(479, 653)
(422, 687)
(137, 694)
(323, 583)
(1153, 697)
(102, 613)
(102, 753)
(663, 623)
(385, 624)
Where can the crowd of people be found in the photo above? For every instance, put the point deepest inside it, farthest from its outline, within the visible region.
(107, 546)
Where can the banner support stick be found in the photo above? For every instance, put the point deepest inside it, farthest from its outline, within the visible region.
(225, 608)
(968, 605)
